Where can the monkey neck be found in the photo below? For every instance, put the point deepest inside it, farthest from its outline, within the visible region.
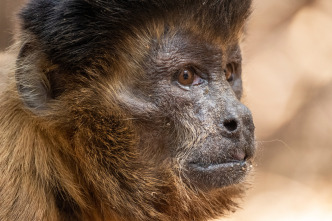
(88, 178)
(31, 165)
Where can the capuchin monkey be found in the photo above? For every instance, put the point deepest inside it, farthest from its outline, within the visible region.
(125, 111)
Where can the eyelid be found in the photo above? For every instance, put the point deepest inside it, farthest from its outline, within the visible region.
(198, 71)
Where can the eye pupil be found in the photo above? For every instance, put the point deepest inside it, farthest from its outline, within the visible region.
(185, 75)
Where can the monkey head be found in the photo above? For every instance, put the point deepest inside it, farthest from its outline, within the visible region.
(144, 97)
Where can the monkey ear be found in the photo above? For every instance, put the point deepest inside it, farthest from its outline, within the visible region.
(31, 77)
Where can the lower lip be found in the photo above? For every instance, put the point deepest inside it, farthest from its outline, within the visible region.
(236, 165)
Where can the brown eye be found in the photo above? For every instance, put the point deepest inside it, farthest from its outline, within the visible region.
(230, 71)
(186, 77)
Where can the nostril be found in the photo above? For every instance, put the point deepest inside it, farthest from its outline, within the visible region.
(230, 125)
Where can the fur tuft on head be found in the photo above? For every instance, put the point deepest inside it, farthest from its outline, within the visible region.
(72, 30)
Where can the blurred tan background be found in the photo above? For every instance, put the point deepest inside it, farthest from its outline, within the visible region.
(288, 87)
(288, 82)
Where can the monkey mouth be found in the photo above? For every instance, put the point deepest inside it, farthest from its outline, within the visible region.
(209, 176)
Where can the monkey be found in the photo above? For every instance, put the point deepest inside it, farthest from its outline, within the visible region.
(125, 110)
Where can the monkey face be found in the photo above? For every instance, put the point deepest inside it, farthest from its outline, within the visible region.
(194, 87)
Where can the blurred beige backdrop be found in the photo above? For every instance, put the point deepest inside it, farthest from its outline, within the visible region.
(288, 87)
(288, 82)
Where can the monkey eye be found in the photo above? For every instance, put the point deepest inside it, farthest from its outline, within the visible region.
(230, 71)
(188, 77)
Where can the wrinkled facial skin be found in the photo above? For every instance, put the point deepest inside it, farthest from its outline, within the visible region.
(202, 127)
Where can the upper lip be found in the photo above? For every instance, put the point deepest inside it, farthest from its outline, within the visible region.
(238, 157)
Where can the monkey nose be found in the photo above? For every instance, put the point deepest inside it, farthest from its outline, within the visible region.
(231, 125)
(236, 119)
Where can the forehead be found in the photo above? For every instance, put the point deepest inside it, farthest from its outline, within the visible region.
(187, 44)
